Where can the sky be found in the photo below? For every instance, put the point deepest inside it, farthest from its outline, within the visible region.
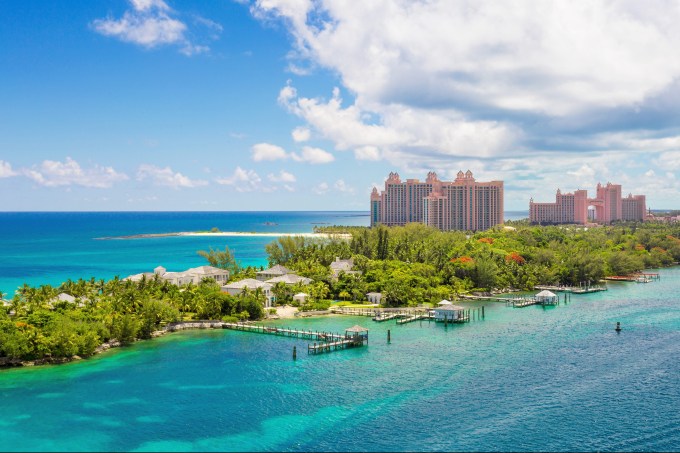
(140, 105)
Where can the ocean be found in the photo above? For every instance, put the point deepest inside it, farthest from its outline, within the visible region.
(523, 379)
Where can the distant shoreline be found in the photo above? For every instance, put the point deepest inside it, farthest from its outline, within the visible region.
(227, 234)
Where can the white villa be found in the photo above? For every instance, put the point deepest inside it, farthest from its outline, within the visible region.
(345, 266)
(273, 272)
(193, 275)
(236, 288)
(290, 279)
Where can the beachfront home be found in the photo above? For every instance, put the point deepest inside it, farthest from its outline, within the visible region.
(345, 266)
(374, 298)
(194, 275)
(236, 288)
(289, 279)
(448, 312)
(273, 272)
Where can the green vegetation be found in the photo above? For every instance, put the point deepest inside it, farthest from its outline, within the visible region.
(415, 264)
(37, 325)
(409, 265)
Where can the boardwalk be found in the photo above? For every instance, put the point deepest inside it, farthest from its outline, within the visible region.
(353, 337)
(284, 332)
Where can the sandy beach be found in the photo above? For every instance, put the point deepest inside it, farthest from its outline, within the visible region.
(230, 233)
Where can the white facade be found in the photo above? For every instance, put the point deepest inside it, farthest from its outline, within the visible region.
(237, 288)
(193, 275)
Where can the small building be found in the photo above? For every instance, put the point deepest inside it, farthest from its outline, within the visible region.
(357, 333)
(237, 288)
(374, 298)
(289, 279)
(344, 266)
(300, 298)
(444, 303)
(449, 312)
(546, 297)
(273, 272)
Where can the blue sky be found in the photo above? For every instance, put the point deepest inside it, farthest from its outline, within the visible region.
(306, 104)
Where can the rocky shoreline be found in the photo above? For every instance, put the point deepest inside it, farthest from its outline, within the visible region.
(6, 362)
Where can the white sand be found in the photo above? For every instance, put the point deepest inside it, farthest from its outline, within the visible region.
(287, 311)
(240, 233)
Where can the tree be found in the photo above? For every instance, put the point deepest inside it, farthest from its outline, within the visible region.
(221, 259)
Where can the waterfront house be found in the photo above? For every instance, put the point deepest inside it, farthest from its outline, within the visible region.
(374, 298)
(250, 284)
(194, 275)
(273, 272)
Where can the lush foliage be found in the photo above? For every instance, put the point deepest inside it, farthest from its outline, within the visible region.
(37, 324)
(416, 264)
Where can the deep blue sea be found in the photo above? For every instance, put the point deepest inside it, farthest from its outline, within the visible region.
(522, 379)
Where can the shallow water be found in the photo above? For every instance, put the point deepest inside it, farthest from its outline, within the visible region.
(530, 379)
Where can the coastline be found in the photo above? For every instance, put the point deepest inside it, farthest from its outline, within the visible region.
(227, 234)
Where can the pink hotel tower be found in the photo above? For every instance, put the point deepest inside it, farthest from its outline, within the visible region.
(608, 207)
(463, 204)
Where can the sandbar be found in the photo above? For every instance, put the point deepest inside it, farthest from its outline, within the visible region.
(230, 233)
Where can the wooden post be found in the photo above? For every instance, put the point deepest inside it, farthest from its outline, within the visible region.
(618, 327)
(294, 352)
(388, 336)
(482, 311)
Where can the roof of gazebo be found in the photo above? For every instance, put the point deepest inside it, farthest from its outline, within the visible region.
(445, 302)
(546, 293)
(356, 329)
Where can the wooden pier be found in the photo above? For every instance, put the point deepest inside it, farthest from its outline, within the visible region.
(411, 318)
(584, 289)
(353, 337)
(284, 332)
(521, 302)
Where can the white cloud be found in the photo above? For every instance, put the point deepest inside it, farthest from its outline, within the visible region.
(69, 173)
(283, 176)
(301, 134)
(242, 180)
(266, 151)
(320, 189)
(167, 177)
(341, 186)
(6, 170)
(367, 153)
(513, 79)
(152, 23)
(313, 156)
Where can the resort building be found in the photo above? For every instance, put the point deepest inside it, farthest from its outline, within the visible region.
(374, 298)
(608, 206)
(194, 275)
(250, 284)
(462, 204)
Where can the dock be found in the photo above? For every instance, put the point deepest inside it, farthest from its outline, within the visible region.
(411, 318)
(284, 332)
(581, 289)
(353, 337)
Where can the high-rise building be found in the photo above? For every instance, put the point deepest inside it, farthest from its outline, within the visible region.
(608, 206)
(463, 204)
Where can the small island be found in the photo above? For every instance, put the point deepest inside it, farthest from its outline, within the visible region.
(405, 266)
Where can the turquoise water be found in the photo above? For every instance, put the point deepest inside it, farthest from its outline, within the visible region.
(529, 379)
(51, 247)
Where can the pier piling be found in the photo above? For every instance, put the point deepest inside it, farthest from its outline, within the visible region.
(388, 336)
(294, 353)
(618, 327)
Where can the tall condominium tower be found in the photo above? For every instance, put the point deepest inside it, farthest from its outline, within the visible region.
(463, 204)
(608, 206)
